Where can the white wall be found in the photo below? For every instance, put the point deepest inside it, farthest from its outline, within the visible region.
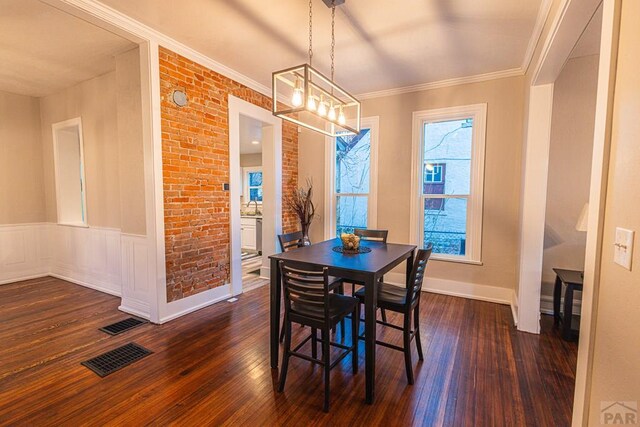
(21, 177)
(572, 126)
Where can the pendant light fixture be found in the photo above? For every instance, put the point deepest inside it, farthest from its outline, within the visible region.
(308, 98)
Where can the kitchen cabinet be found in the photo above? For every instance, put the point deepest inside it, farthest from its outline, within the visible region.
(248, 233)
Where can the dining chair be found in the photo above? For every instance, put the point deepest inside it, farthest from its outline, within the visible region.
(309, 301)
(405, 301)
(293, 240)
(374, 236)
(290, 240)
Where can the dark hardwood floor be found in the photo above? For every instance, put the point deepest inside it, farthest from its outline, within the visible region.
(212, 367)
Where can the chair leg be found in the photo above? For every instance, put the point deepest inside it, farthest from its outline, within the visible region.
(384, 315)
(314, 343)
(416, 325)
(327, 364)
(285, 359)
(407, 347)
(284, 323)
(355, 327)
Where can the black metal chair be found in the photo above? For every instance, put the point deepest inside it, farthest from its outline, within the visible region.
(407, 302)
(310, 302)
(293, 240)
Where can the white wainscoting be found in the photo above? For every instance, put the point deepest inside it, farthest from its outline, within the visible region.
(88, 256)
(25, 252)
(99, 258)
(135, 275)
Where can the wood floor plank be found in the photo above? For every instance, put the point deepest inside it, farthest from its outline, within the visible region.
(212, 367)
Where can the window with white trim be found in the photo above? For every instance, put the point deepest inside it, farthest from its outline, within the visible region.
(252, 183)
(448, 181)
(351, 180)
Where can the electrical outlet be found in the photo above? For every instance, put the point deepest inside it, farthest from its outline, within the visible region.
(623, 251)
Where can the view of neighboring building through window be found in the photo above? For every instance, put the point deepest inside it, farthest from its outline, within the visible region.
(352, 181)
(447, 148)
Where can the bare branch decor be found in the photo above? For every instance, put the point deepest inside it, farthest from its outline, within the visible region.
(300, 201)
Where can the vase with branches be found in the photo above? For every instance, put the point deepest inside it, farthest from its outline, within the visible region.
(300, 201)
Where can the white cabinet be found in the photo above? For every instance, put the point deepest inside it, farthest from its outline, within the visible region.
(248, 233)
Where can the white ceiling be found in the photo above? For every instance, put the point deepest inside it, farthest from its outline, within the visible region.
(380, 44)
(250, 130)
(44, 50)
(589, 41)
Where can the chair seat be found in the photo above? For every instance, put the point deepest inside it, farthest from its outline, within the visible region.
(389, 296)
(339, 305)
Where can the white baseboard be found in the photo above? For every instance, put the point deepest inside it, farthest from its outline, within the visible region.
(195, 302)
(97, 287)
(457, 289)
(546, 304)
(265, 272)
(132, 308)
(23, 278)
(514, 307)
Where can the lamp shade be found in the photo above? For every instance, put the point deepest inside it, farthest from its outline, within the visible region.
(583, 219)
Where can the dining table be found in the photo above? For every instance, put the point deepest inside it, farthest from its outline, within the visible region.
(366, 269)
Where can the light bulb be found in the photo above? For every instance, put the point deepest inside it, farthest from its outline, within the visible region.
(296, 99)
(311, 103)
(341, 119)
(322, 108)
(332, 113)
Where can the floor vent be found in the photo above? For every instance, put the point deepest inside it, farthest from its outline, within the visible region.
(116, 359)
(123, 326)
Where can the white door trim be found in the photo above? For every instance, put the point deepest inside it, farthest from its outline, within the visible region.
(272, 185)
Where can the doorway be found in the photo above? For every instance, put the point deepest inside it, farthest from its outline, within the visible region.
(255, 156)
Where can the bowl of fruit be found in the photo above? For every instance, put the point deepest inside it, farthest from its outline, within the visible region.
(350, 242)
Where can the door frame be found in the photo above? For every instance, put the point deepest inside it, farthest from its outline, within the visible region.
(272, 186)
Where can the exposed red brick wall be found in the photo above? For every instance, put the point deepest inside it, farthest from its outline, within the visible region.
(195, 164)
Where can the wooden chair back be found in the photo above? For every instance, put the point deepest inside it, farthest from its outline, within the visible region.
(290, 240)
(306, 291)
(373, 235)
(417, 275)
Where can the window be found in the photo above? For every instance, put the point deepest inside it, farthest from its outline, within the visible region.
(448, 159)
(351, 180)
(252, 179)
(69, 172)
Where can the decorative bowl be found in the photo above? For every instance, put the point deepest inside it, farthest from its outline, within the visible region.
(350, 242)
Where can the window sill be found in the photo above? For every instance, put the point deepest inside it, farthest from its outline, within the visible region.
(435, 257)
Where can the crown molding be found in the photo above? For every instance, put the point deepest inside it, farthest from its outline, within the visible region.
(543, 15)
(513, 72)
(123, 25)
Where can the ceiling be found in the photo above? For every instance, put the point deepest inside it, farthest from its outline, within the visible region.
(250, 130)
(589, 41)
(380, 45)
(44, 50)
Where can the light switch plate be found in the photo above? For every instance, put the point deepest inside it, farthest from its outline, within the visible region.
(623, 251)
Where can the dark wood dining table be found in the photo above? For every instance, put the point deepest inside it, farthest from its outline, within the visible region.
(364, 268)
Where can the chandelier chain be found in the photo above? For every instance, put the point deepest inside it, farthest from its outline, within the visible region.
(310, 32)
(333, 36)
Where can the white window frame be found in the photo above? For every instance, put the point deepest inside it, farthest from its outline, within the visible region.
(245, 182)
(76, 122)
(475, 200)
(371, 123)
